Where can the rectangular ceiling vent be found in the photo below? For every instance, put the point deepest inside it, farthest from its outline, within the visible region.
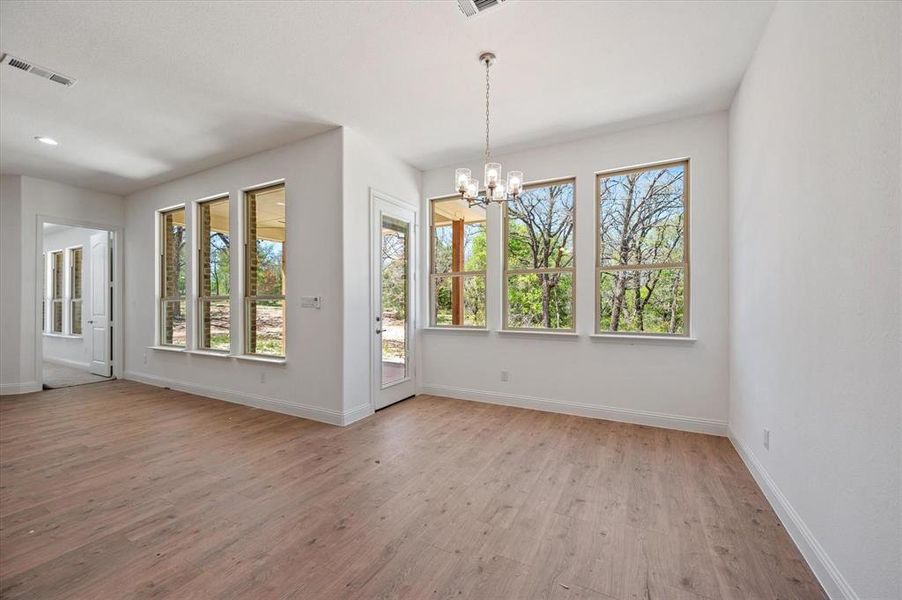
(24, 65)
(471, 8)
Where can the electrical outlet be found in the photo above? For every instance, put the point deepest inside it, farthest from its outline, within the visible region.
(505, 376)
(145, 358)
(262, 376)
(766, 439)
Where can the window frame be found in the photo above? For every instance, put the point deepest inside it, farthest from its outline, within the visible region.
(684, 264)
(246, 299)
(506, 273)
(433, 276)
(162, 299)
(52, 297)
(200, 296)
(70, 297)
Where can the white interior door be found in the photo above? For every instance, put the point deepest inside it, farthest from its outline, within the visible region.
(394, 299)
(101, 303)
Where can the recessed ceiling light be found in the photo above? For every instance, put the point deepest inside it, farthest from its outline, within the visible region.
(46, 140)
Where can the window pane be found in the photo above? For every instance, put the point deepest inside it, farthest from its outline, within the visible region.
(76, 317)
(266, 241)
(472, 290)
(75, 256)
(56, 275)
(174, 332)
(56, 316)
(214, 248)
(642, 217)
(174, 254)
(649, 301)
(266, 327)
(540, 228)
(458, 236)
(540, 300)
(214, 324)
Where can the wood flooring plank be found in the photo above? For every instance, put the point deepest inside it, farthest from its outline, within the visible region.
(119, 490)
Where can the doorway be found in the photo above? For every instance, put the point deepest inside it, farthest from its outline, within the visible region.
(77, 296)
(394, 300)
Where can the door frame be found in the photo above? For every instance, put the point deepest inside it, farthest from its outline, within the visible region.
(375, 374)
(117, 271)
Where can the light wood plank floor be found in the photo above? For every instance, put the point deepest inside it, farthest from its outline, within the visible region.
(121, 490)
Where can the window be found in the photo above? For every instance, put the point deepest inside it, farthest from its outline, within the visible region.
(539, 258)
(57, 273)
(173, 255)
(643, 254)
(264, 283)
(458, 263)
(75, 285)
(213, 275)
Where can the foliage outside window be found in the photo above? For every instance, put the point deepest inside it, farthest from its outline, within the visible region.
(643, 257)
(394, 266)
(57, 274)
(264, 285)
(213, 273)
(75, 291)
(457, 280)
(173, 268)
(539, 260)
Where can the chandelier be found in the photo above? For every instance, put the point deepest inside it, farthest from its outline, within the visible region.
(496, 188)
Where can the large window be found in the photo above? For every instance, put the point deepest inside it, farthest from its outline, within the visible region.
(264, 283)
(173, 266)
(458, 263)
(213, 275)
(75, 286)
(57, 280)
(539, 259)
(643, 254)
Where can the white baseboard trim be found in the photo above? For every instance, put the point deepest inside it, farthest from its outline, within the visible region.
(355, 414)
(834, 584)
(67, 362)
(314, 413)
(26, 387)
(609, 413)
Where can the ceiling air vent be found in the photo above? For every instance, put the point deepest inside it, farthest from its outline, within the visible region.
(471, 8)
(24, 65)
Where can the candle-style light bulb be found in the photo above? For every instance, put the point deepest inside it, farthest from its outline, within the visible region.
(492, 174)
(461, 179)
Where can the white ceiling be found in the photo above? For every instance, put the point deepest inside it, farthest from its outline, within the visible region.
(166, 89)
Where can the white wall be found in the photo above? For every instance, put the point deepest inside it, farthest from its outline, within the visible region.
(365, 167)
(40, 199)
(815, 284)
(10, 271)
(309, 383)
(672, 383)
(73, 351)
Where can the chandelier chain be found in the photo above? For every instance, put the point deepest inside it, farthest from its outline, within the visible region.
(488, 154)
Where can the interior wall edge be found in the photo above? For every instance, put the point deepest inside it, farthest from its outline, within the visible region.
(25, 387)
(826, 571)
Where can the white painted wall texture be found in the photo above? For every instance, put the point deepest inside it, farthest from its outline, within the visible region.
(309, 383)
(672, 383)
(815, 285)
(33, 199)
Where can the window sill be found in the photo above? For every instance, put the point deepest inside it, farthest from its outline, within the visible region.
(167, 348)
(213, 353)
(260, 359)
(65, 336)
(456, 329)
(626, 337)
(567, 335)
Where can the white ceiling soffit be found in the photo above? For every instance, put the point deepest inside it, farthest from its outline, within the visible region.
(167, 89)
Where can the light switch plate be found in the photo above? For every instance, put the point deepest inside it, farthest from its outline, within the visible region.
(311, 301)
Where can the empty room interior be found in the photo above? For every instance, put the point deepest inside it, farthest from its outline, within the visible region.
(486, 299)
